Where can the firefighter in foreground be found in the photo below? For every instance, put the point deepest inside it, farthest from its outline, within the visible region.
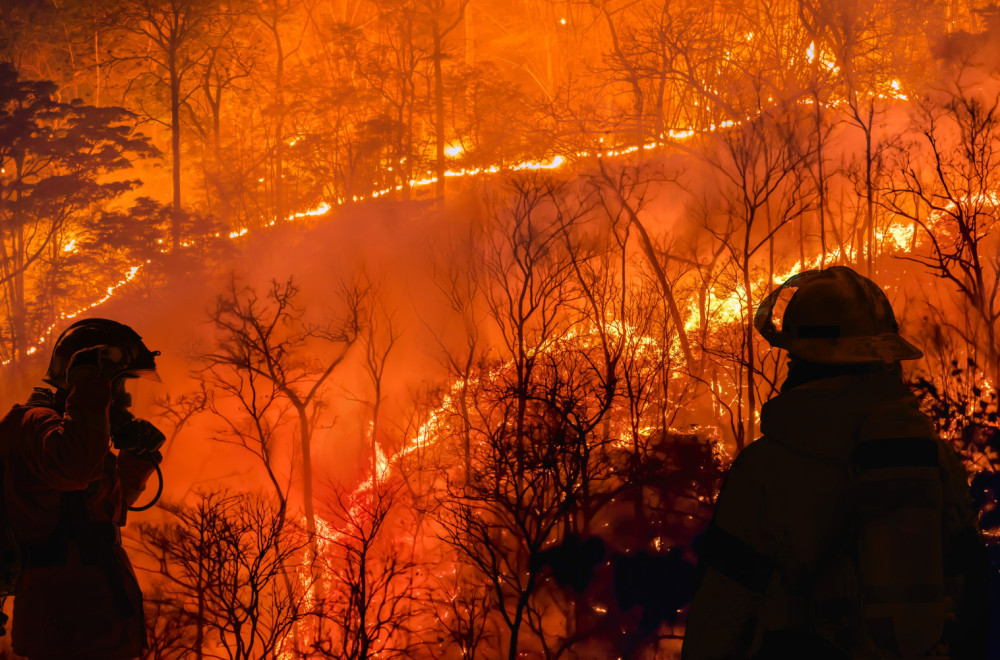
(848, 529)
(66, 495)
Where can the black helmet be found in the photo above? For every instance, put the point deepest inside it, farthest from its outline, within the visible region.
(135, 359)
(835, 316)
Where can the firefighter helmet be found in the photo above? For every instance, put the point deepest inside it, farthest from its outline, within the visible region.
(835, 316)
(133, 357)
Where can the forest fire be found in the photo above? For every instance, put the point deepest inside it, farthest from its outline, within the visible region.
(456, 302)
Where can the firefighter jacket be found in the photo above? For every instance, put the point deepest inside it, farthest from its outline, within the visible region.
(66, 494)
(771, 530)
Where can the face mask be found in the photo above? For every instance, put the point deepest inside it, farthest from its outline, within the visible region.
(121, 401)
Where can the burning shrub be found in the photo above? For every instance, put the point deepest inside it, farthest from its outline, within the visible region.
(963, 407)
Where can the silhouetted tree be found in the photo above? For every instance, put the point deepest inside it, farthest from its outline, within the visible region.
(367, 609)
(264, 339)
(221, 564)
(946, 187)
(60, 163)
(164, 45)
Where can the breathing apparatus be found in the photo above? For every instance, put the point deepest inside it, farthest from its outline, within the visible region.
(136, 436)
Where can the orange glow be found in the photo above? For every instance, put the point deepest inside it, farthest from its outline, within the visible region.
(648, 176)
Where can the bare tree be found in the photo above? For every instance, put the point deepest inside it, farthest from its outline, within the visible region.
(442, 23)
(865, 50)
(947, 188)
(381, 335)
(267, 340)
(463, 606)
(528, 278)
(500, 521)
(221, 564)
(167, 42)
(367, 610)
(170, 631)
(761, 166)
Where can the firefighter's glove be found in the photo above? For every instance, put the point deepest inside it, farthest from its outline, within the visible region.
(140, 438)
(95, 362)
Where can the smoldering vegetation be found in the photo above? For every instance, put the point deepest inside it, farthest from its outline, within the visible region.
(455, 298)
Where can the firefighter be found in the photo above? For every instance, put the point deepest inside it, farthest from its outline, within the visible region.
(67, 493)
(847, 530)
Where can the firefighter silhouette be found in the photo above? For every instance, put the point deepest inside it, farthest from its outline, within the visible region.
(847, 530)
(66, 495)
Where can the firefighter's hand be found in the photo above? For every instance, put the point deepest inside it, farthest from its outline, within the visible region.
(94, 362)
(141, 438)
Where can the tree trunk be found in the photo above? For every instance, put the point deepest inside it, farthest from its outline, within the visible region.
(305, 437)
(820, 181)
(751, 394)
(175, 147)
(869, 201)
(279, 128)
(18, 323)
(438, 113)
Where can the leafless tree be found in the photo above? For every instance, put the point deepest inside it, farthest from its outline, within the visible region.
(528, 278)
(165, 44)
(170, 630)
(266, 342)
(499, 522)
(220, 565)
(761, 166)
(380, 337)
(463, 605)
(947, 188)
(367, 608)
(866, 53)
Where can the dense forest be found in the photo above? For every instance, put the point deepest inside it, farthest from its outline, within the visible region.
(455, 297)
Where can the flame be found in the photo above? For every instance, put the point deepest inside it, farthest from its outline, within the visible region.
(65, 316)
(454, 150)
(828, 61)
(725, 307)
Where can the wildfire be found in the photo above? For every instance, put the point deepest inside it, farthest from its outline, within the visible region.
(827, 60)
(65, 316)
(726, 308)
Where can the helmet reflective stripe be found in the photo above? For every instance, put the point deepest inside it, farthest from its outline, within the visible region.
(835, 316)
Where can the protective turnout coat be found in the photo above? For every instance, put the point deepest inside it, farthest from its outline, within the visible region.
(772, 530)
(66, 495)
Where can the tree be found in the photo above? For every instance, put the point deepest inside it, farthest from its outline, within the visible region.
(947, 189)
(440, 28)
(867, 51)
(761, 166)
(60, 163)
(222, 563)
(264, 339)
(367, 609)
(500, 520)
(170, 41)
